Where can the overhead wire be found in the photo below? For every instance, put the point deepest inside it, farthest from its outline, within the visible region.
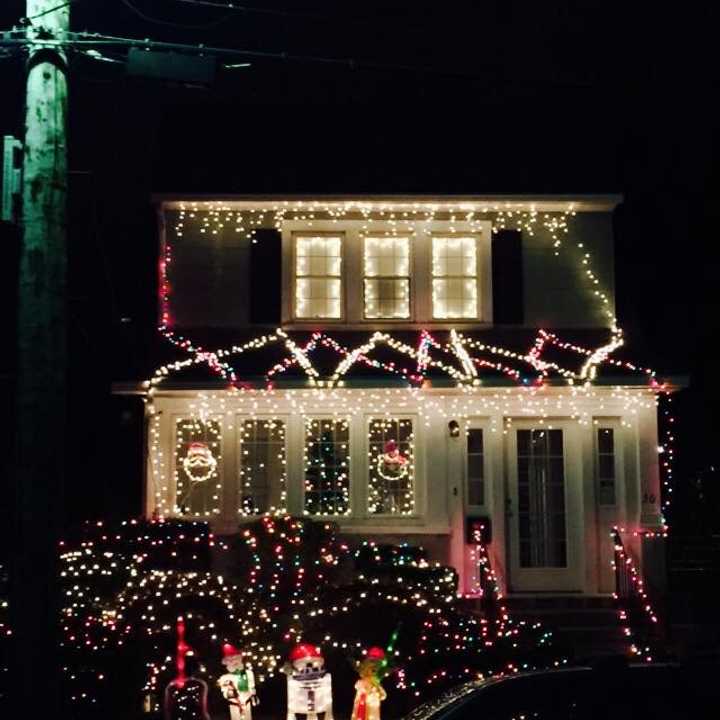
(171, 23)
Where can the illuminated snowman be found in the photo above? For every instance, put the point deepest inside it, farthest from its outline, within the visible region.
(309, 687)
(237, 684)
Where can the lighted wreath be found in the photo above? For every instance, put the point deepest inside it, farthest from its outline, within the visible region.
(392, 464)
(199, 463)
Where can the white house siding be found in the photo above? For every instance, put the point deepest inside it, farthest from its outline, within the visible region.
(440, 506)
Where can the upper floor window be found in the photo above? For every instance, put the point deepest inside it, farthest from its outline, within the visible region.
(387, 277)
(318, 278)
(455, 277)
(365, 272)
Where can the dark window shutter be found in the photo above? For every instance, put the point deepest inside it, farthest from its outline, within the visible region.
(266, 277)
(507, 277)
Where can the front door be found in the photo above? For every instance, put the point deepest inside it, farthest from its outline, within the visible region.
(544, 509)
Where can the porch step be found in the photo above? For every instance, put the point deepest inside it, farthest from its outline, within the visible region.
(583, 627)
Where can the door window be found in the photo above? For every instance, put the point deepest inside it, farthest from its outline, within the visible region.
(541, 498)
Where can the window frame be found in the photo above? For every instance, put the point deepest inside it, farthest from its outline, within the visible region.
(418, 478)
(235, 482)
(310, 233)
(410, 236)
(484, 426)
(420, 233)
(435, 235)
(614, 424)
(216, 515)
(351, 511)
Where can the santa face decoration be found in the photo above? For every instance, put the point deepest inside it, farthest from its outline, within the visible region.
(199, 463)
(392, 464)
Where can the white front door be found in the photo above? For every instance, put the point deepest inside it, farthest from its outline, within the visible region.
(544, 508)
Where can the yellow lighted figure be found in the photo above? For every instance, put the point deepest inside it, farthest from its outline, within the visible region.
(369, 693)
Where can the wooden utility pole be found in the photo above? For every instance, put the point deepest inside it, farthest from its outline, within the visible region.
(42, 364)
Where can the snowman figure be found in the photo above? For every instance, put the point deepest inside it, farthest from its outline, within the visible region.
(309, 687)
(237, 684)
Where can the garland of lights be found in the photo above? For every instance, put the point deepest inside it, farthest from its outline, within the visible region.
(623, 561)
(283, 596)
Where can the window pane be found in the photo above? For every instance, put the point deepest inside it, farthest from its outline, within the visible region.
(454, 256)
(327, 467)
(318, 288)
(262, 477)
(318, 298)
(455, 298)
(387, 256)
(387, 298)
(475, 467)
(198, 458)
(606, 466)
(455, 277)
(606, 440)
(541, 498)
(391, 467)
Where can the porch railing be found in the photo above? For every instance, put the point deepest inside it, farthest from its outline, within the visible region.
(490, 595)
(639, 620)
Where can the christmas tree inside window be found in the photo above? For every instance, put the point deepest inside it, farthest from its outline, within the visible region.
(327, 466)
(198, 459)
(262, 476)
(391, 466)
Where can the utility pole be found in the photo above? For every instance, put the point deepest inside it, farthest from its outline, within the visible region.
(42, 363)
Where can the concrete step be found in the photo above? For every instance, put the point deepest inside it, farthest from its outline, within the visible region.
(559, 602)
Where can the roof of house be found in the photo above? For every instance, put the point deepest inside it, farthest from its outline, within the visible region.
(477, 203)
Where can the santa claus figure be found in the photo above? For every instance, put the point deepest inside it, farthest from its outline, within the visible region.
(199, 463)
(369, 693)
(392, 464)
(237, 684)
(309, 687)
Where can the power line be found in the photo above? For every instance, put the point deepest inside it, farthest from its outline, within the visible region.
(234, 7)
(171, 23)
(87, 39)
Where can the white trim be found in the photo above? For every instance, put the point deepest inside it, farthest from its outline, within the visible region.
(352, 276)
(410, 203)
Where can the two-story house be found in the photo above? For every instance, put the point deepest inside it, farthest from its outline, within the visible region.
(405, 367)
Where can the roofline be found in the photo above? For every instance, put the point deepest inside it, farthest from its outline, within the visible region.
(436, 385)
(489, 203)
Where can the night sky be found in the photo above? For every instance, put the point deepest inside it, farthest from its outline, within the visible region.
(566, 97)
